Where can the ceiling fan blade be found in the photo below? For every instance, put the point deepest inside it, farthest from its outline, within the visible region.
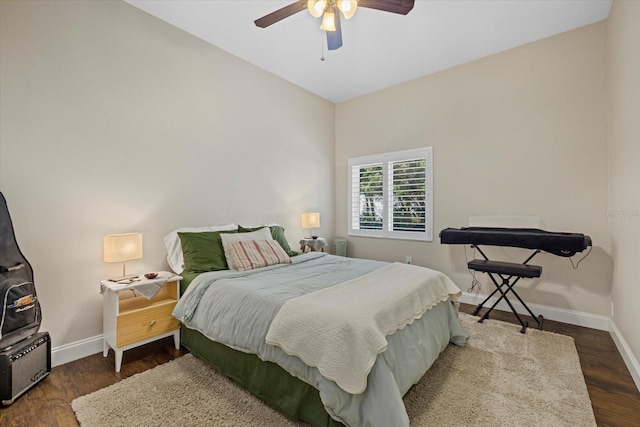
(280, 14)
(334, 38)
(394, 6)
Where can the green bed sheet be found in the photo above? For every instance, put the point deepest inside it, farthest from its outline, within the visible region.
(268, 381)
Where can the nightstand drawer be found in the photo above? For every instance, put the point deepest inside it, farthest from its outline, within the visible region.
(142, 324)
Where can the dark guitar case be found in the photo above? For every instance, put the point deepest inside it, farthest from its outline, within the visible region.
(20, 315)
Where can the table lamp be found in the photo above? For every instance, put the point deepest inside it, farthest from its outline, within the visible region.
(310, 220)
(121, 248)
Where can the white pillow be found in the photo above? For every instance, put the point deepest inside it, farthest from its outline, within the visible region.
(262, 234)
(174, 246)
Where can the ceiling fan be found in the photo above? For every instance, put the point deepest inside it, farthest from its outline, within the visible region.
(330, 10)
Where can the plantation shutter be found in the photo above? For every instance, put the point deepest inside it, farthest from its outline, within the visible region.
(390, 195)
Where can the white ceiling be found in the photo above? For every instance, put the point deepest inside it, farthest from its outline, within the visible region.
(380, 49)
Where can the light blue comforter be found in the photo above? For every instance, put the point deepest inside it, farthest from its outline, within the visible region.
(237, 308)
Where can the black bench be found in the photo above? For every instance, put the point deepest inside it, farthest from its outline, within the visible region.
(509, 274)
(501, 267)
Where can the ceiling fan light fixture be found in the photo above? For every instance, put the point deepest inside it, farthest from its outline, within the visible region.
(347, 7)
(316, 7)
(328, 20)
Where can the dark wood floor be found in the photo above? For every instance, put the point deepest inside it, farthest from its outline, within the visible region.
(614, 396)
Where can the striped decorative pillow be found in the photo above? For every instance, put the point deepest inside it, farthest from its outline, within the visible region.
(250, 254)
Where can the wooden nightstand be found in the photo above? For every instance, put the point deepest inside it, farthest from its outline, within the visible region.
(131, 322)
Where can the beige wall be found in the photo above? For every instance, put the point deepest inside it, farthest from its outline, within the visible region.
(521, 132)
(113, 121)
(623, 78)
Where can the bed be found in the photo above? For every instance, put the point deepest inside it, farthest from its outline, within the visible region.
(293, 331)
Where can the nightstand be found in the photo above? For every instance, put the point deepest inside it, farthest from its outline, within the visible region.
(131, 322)
(317, 244)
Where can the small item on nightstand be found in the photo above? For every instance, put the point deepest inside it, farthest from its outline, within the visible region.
(151, 275)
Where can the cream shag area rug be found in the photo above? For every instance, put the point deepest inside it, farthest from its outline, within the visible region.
(501, 377)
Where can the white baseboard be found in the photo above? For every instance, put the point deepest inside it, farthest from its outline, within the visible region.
(571, 317)
(76, 350)
(625, 352)
(87, 347)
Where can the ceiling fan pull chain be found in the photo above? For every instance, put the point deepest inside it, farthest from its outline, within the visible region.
(322, 47)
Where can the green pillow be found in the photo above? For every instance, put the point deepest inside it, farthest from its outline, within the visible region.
(203, 251)
(277, 233)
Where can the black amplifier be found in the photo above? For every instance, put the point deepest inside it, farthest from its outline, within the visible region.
(24, 364)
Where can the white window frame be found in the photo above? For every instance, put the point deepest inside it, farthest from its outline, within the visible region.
(386, 159)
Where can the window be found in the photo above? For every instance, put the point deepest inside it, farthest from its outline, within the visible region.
(390, 195)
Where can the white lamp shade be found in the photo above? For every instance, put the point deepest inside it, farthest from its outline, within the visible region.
(310, 220)
(316, 7)
(328, 21)
(348, 7)
(122, 247)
